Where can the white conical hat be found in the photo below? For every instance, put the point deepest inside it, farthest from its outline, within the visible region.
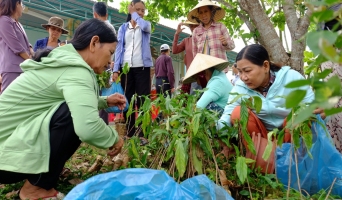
(202, 62)
(219, 14)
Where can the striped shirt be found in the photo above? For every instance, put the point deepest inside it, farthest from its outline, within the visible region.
(212, 34)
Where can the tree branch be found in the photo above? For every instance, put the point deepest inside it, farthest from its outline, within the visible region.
(290, 15)
(243, 17)
(304, 22)
(268, 35)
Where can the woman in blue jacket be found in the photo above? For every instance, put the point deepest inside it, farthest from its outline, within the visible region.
(134, 49)
(55, 27)
(260, 77)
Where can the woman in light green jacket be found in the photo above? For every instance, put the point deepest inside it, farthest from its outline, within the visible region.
(53, 106)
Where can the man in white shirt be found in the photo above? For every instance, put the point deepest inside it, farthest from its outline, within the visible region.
(100, 12)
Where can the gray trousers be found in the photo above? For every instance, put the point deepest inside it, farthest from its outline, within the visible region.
(7, 79)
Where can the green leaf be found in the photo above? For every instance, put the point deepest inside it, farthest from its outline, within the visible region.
(320, 16)
(195, 123)
(241, 168)
(249, 141)
(125, 68)
(257, 103)
(134, 149)
(170, 151)
(180, 157)
(273, 184)
(294, 98)
(323, 74)
(328, 50)
(244, 192)
(248, 160)
(303, 115)
(243, 114)
(146, 122)
(236, 98)
(332, 111)
(269, 146)
(298, 83)
(197, 163)
(280, 138)
(130, 107)
(334, 83)
(307, 138)
(296, 138)
(314, 37)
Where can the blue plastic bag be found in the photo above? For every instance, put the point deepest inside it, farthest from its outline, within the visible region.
(315, 173)
(114, 88)
(147, 184)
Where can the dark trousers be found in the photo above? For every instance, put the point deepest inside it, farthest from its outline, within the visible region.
(63, 144)
(137, 81)
(163, 86)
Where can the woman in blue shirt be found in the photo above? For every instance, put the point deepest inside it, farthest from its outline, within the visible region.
(134, 49)
(260, 77)
(55, 27)
(218, 87)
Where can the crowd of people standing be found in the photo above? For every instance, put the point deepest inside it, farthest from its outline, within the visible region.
(50, 98)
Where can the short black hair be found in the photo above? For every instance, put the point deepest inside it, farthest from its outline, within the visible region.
(164, 51)
(100, 8)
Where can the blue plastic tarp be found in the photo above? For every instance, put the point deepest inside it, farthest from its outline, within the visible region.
(146, 184)
(316, 173)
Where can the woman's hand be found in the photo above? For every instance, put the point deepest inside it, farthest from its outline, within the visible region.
(223, 40)
(321, 112)
(118, 100)
(179, 29)
(131, 8)
(116, 148)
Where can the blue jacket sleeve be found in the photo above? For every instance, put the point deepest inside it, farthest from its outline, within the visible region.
(119, 49)
(35, 48)
(144, 25)
(225, 118)
(212, 94)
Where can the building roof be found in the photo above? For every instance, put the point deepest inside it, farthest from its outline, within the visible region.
(74, 12)
(38, 12)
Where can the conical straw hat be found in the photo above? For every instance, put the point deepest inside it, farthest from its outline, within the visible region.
(219, 14)
(188, 23)
(202, 62)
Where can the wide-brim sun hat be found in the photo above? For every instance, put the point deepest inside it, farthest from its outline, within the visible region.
(188, 23)
(202, 62)
(56, 22)
(218, 14)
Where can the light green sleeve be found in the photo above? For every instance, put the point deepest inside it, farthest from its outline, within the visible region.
(79, 94)
(102, 102)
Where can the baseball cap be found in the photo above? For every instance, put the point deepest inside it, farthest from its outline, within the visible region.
(164, 47)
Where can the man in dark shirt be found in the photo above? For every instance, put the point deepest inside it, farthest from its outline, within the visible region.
(165, 77)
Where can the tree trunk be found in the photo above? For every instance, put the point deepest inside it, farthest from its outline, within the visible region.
(298, 28)
(268, 35)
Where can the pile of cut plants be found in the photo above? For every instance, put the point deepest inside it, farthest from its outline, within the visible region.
(184, 142)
